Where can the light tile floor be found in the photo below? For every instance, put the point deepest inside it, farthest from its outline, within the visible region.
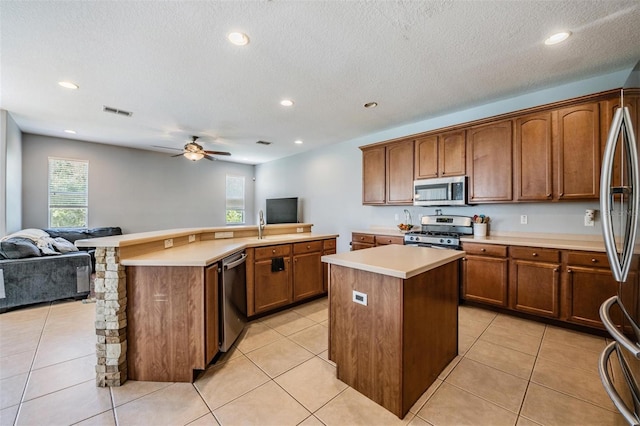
(509, 372)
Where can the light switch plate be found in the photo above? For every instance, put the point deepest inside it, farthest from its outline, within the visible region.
(168, 243)
(192, 238)
(360, 298)
(524, 219)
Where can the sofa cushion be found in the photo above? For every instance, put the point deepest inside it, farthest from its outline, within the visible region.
(105, 231)
(69, 234)
(19, 248)
(63, 246)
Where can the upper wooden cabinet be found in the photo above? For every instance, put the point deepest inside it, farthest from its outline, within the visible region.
(440, 155)
(607, 111)
(374, 175)
(533, 160)
(400, 172)
(577, 141)
(489, 162)
(387, 174)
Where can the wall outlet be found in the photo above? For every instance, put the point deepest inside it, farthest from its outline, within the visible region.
(192, 238)
(588, 221)
(223, 235)
(360, 298)
(396, 217)
(299, 229)
(168, 243)
(524, 219)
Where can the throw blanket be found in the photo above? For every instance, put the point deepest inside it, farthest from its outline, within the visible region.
(43, 241)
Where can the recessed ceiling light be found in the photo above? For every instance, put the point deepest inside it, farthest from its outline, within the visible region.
(239, 39)
(73, 132)
(286, 102)
(68, 85)
(557, 38)
(371, 105)
(298, 142)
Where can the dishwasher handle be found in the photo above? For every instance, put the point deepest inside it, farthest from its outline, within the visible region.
(235, 263)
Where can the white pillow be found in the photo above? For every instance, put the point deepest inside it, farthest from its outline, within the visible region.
(31, 233)
(64, 246)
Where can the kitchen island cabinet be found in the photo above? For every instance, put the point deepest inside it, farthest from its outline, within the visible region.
(392, 308)
(172, 325)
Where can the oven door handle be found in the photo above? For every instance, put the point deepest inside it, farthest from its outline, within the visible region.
(613, 330)
(628, 415)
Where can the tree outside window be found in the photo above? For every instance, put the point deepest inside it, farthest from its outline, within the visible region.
(235, 200)
(68, 193)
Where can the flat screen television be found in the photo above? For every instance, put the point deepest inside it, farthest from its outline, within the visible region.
(282, 210)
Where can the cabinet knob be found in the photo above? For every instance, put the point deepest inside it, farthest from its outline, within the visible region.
(535, 254)
(362, 238)
(594, 260)
(548, 195)
(464, 259)
(555, 269)
(569, 271)
(308, 247)
(273, 251)
(483, 250)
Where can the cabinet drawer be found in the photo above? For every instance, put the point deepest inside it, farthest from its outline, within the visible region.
(594, 259)
(329, 244)
(282, 250)
(385, 239)
(485, 249)
(307, 247)
(363, 238)
(535, 254)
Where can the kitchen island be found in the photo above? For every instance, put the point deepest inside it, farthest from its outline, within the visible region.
(393, 320)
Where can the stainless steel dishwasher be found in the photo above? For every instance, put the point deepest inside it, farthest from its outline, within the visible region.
(233, 312)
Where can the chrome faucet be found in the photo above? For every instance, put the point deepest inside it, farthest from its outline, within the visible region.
(261, 225)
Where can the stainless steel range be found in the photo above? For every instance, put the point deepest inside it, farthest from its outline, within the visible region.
(440, 231)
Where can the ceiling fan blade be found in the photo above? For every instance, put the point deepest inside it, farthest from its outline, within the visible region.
(177, 155)
(209, 158)
(166, 147)
(218, 152)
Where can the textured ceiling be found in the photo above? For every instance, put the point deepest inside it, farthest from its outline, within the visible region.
(170, 64)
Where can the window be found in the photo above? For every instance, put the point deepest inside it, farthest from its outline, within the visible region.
(68, 193)
(235, 200)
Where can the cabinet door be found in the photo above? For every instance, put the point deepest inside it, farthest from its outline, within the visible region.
(325, 269)
(578, 150)
(535, 288)
(211, 311)
(374, 175)
(426, 161)
(533, 161)
(607, 111)
(400, 172)
(587, 288)
(452, 154)
(489, 160)
(271, 289)
(307, 275)
(360, 246)
(484, 280)
(383, 240)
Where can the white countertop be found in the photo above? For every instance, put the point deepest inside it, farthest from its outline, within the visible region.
(395, 260)
(204, 253)
(542, 240)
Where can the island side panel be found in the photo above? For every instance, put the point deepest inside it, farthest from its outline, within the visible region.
(365, 340)
(430, 335)
(165, 322)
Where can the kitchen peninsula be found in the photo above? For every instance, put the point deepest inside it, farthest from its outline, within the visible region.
(393, 320)
(157, 293)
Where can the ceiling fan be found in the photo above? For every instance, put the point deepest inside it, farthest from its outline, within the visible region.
(194, 151)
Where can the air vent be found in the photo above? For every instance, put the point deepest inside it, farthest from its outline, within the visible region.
(116, 111)
(263, 143)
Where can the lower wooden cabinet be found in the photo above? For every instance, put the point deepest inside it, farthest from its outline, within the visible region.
(307, 270)
(328, 247)
(282, 274)
(361, 241)
(561, 284)
(484, 274)
(588, 282)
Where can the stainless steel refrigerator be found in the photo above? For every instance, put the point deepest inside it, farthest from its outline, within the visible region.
(619, 365)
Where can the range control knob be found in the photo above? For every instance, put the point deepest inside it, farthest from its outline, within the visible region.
(442, 240)
(448, 241)
(417, 238)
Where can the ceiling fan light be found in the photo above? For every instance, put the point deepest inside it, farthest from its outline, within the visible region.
(194, 156)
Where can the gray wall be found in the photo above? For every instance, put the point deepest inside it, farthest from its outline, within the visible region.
(329, 180)
(10, 175)
(135, 189)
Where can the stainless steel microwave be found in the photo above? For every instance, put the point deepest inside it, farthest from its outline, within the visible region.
(449, 191)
